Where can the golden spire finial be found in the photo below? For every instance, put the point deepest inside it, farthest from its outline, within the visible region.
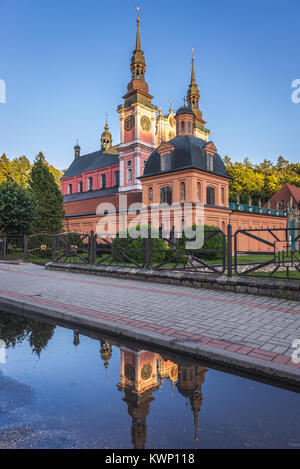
(138, 8)
(171, 102)
(193, 79)
(138, 39)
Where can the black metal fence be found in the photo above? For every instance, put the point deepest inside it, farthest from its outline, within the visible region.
(269, 253)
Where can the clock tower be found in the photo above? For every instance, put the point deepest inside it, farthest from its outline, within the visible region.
(137, 123)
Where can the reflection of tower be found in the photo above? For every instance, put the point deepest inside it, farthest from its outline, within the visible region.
(167, 370)
(138, 409)
(106, 352)
(190, 380)
(138, 379)
(76, 340)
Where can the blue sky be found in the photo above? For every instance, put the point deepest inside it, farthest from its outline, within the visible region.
(66, 63)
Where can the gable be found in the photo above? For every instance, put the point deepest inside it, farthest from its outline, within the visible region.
(210, 149)
(165, 148)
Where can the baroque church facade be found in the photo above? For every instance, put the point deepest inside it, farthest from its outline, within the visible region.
(160, 159)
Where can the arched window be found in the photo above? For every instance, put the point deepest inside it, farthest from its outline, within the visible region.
(90, 184)
(150, 196)
(182, 127)
(166, 195)
(70, 189)
(223, 196)
(80, 186)
(182, 191)
(117, 178)
(210, 195)
(199, 198)
(189, 127)
(103, 181)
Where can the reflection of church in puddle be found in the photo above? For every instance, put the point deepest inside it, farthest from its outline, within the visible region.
(141, 373)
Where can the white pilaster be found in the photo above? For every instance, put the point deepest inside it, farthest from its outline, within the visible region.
(121, 173)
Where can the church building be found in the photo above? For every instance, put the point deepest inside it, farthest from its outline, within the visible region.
(161, 159)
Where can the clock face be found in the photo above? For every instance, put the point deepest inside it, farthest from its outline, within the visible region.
(129, 122)
(145, 123)
(129, 372)
(146, 371)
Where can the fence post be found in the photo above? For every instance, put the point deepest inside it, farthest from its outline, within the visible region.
(229, 250)
(147, 252)
(53, 244)
(92, 255)
(4, 247)
(25, 248)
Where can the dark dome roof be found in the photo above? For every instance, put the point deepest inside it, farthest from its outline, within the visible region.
(184, 110)
(189, 152)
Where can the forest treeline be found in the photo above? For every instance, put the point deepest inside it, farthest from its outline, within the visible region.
(261, 180)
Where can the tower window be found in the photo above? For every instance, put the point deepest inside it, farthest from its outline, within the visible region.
(90, 184)
(182, 127)
(166, 195)
(210, 195)
(103, 181)
(189, 127)
(129, 176)
(129, 172)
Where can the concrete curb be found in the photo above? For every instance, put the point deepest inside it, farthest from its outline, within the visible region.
(283, 289)
(253, 366)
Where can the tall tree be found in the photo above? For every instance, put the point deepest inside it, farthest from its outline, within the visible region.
(16, 209)
(20, 170)
(5, 169)
(49, 212)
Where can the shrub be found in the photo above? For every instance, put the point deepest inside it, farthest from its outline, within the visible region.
(133, 247)
(212, 247)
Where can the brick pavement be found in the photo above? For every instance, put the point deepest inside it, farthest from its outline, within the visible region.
(258, 327)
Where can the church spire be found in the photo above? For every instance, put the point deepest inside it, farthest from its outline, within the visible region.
(138, 37)
(193, 79)
(106, 138)
(193, 94)
(138, 64)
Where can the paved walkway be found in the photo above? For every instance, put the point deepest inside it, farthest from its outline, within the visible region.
(250, 326)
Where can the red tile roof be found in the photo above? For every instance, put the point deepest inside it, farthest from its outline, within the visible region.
(284, 194)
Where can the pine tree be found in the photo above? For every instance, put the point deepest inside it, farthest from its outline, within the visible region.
(49, 212)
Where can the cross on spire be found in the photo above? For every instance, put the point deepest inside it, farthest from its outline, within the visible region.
(138, 8)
